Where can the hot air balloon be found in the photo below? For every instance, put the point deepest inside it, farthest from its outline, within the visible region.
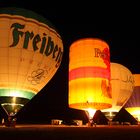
(122, 83)
(133, 104)
(89, 75)
(30, 53)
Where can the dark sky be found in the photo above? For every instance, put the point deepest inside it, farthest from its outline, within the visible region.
(115, 22)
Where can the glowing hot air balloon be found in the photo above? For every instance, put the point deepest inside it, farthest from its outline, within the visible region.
(122, 83)
(30, 54)
(89, 75)
(133, 104)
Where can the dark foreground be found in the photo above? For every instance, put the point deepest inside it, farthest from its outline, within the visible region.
(48, 132)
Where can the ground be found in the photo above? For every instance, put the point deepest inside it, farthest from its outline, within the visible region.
(57, 132)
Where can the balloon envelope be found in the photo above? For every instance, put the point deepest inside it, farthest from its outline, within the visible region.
(89, 75)
(122, 83)
(30, 54)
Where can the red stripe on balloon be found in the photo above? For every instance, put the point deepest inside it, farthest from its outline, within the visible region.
(87, 72)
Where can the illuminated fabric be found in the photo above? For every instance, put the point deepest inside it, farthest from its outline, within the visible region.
(89, 74)
(122, 83)
(30, 52)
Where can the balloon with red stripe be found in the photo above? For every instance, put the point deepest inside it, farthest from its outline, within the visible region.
(89, 74)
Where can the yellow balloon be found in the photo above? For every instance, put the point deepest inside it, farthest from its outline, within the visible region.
(30, 53)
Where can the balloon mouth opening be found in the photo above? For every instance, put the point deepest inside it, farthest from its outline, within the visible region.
(12, 105)
(90, 113)
(11, 108)
(110, 115)
(135, 113)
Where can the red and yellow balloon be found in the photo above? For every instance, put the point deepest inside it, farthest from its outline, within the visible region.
(89, 75)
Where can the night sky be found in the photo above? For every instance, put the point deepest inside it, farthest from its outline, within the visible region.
(116, 23)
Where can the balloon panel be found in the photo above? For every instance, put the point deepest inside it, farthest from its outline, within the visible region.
(88, 93)
(89, 52)
(89, 74)
(30, 53)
